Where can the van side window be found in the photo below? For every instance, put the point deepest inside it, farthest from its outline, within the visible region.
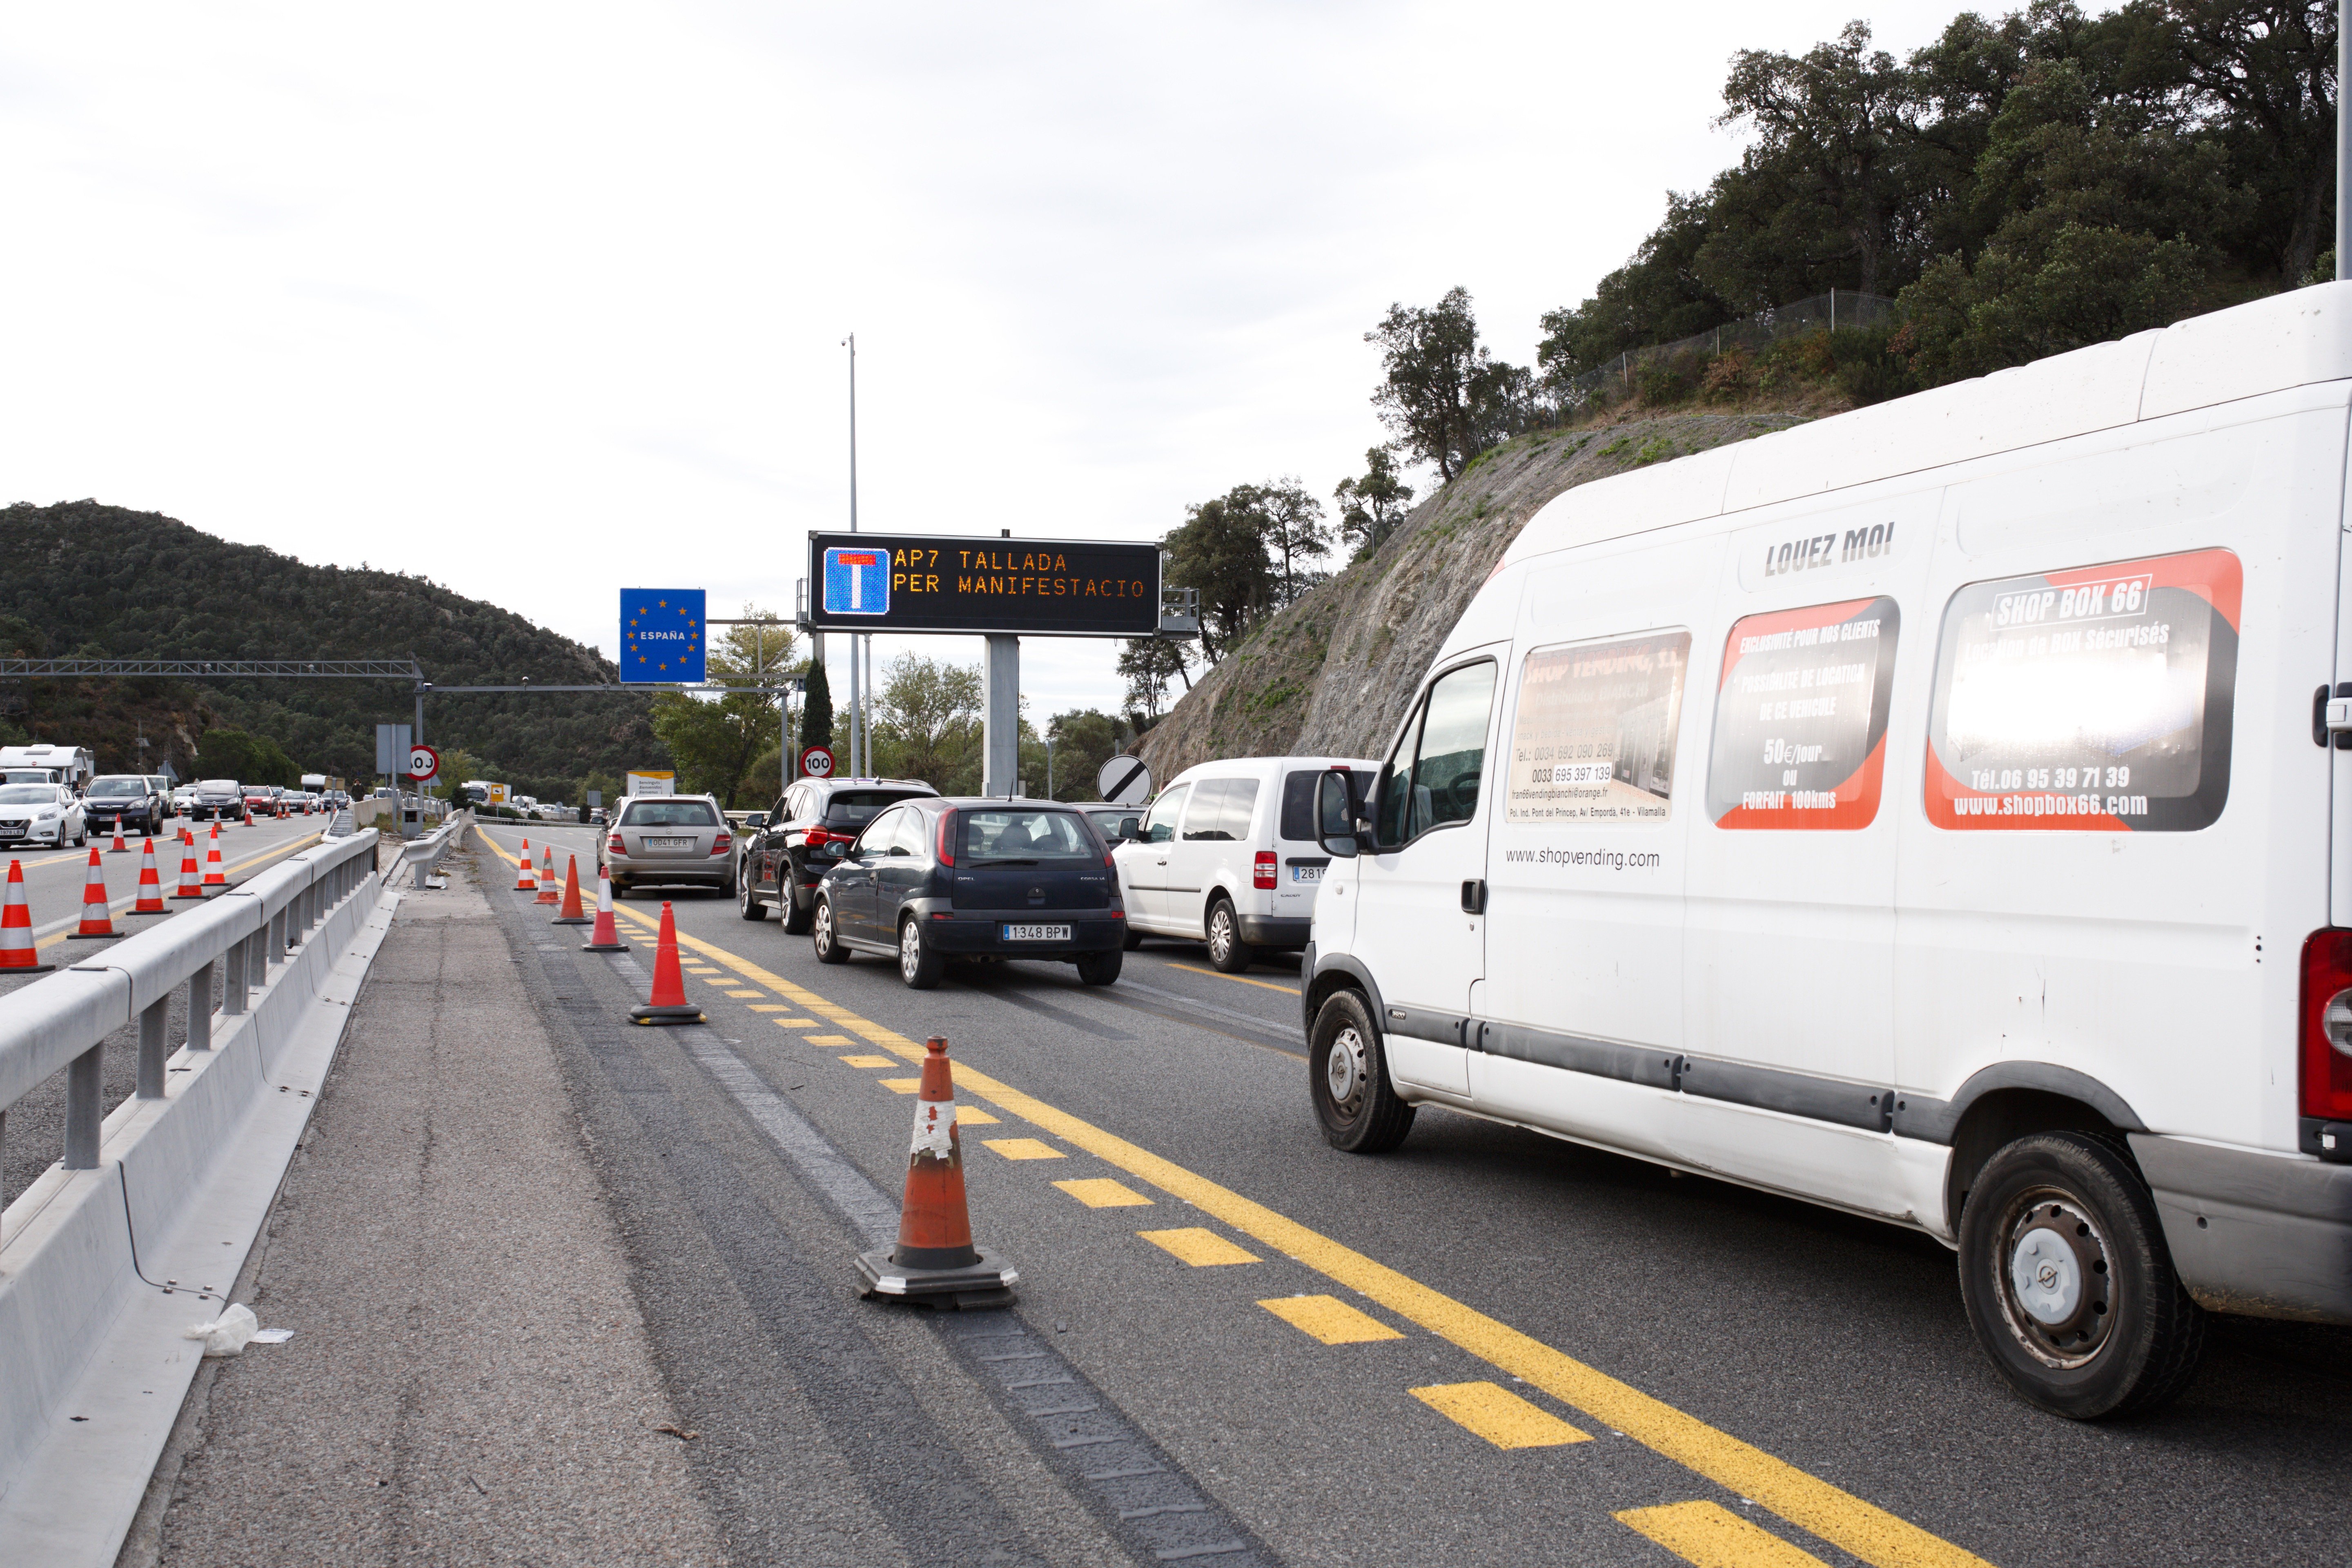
(1800, 717)
(2097, 699)
(1298, 797)
(1160, 827)
(1433, 779)
(1594, 737)
(1206, 818)
(1241, 805)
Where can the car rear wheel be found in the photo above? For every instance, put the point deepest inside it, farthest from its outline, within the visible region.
(1348, 1078)
(747, 902)
(2068, 1283)
(828, 946)
(1101, 968)
(1227, 951)
(919, 964)
(800, 909)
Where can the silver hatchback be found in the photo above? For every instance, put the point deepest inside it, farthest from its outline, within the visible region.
(670, 839)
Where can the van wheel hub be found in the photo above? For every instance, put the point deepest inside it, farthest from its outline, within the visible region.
(1343, 1069)
(2058, 1280)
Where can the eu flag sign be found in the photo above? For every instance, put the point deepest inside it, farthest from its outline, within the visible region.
(662, 634)
(857, 581)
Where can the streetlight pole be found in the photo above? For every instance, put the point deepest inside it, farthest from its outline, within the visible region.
(856, 705)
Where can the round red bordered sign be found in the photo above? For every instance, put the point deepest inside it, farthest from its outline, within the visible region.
(816, 763)
(423, 764)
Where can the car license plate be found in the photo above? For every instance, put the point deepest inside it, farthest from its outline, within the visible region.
(1306, 873)
(1036, 933)
(669, 843)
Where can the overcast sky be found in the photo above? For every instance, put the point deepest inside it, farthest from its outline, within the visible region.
(540, 301)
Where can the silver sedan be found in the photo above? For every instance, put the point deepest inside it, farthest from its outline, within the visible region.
(671, 838)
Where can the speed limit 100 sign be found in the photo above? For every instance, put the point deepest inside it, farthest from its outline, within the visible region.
(423, 764)
(816, 763)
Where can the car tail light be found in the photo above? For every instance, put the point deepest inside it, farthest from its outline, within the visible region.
(720, 845)
(615, 845)
(2327, 1025)
(1265, 876)
(817, 838)
(947, 837)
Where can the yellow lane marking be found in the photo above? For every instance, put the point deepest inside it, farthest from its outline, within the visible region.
(1236, 979)
(1713, 1536)
(1329, 1319)
(775, 1007)
(747, 993)
(974, 1116)
(1024, 1149)
(830, 1040)
(274, 853)
(791, 1023)
(870, 1061)
(901, 1085)
(1836, 1515)
(1500, 1416)
(1094, 1192)
(1200, 1247)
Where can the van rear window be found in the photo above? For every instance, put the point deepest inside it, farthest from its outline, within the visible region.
(1299, 799)
(1800, 717)
(2095, 699)
(1594, 738)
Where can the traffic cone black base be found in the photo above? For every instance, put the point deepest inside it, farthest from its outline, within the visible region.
(652, 1014)
(89, 936)
(987, 1283)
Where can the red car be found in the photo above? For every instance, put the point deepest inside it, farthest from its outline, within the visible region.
(259, 802)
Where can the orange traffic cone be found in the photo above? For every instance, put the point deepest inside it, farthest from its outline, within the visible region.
(18, 953)
(604, 937)
(118, 847)
(151, 886)
(547, 893)
(935, 1260)
(96, 913)
(526, 879)
(188, 887)
(214, 876)
(669, 1005)
(570, 915)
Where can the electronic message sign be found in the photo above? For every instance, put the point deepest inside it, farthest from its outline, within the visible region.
(949, 583)
(662, 634)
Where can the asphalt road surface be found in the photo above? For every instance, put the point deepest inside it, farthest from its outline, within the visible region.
(1488, 1347)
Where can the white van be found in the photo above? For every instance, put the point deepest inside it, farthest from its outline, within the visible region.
(2002, 886)
(1228, 856)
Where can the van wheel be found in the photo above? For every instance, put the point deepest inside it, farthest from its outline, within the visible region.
(1347, 1076)
(1101, 968)
(828, 946)
(919, 962)
(800, 913)
(1227, 951)
(2067, 1281)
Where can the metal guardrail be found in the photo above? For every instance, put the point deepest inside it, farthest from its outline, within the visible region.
(422, 857)
(62, 1021)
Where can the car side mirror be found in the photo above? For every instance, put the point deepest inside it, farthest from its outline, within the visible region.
(1335, 815)
(757, 820)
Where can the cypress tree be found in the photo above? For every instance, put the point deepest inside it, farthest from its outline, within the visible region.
(816, 710)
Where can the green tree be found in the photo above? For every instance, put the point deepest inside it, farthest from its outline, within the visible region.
(1146, 664)
(715, 742)
(1220, 552)
(227, 754)
(1294, 531)
(927, 722)
(1084, 740)
(1371, 506)
(1442, 393)
(816, 707)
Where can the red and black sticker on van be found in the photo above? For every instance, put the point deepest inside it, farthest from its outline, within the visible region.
(1800, 718)
(2097, 699)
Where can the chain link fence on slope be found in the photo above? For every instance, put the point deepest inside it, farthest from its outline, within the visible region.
(1839, 310)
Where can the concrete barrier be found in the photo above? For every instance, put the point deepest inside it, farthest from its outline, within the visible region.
(143, 1227)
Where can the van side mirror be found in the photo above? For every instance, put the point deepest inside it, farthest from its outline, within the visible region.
(1335, 815)
(1130, 828)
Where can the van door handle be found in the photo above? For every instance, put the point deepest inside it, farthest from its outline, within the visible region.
(1474, 895)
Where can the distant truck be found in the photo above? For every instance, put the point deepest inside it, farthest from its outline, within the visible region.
(315, 783)
(72, 766)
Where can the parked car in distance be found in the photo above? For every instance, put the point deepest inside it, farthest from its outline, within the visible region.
(811, 826)
(126, 801)
(932, 878)
(1228, 856)
(41, 814)
(260, 802)
(216, 798)
(670, 839)
(596, 817)
(1117, 823)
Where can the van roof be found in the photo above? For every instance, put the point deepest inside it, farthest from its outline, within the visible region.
(2295, 339)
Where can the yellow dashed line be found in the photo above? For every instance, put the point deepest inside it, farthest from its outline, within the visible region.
(974, 1116)
(1713, 1536)
(1236, 979)
(773, 1008)
(901, 1085)
(1098, 1192)
(831, 1040)
(1198, 1246)
(1329, 1319)
(1500, 1416)
(794, 1022)
(741, 994)
(1024, 1149)
(870, 1061)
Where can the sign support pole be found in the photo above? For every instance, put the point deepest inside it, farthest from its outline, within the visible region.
(1000, 745)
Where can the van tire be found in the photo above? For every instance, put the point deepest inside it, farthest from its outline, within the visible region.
(1367, 1118)
(2132, 1337)
(1101, 968)
(828, 946)
(1228, 954)
(799, 913)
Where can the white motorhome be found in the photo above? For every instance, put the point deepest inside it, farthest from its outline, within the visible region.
(1940, 812)
(72, 766)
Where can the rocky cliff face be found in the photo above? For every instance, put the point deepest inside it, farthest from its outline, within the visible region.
(1332, 674)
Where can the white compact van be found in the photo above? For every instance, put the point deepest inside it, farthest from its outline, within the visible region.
(1229, 855)
(1939, 812)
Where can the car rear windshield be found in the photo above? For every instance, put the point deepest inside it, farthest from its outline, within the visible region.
(856, 807)
(670, 813)
(219, 786)
(1299, 799)
(118, 786)
(1013, 834)
(28, 794)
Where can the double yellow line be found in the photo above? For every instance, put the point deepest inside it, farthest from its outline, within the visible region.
(1837, 1516)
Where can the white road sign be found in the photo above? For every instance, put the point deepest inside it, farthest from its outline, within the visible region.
(1125, 781)
(423, 764)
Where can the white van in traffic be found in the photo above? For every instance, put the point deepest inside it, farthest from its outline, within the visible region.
(1228, 856)
(2000, 886)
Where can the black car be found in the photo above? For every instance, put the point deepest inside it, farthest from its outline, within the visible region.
(932, 878)
(812, 825)
(126, 802)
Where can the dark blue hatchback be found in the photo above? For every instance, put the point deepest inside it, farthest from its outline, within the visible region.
(935, 878)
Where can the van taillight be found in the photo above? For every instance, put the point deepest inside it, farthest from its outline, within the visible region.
(947, 837)
(2328, 1025)
(1265, 876)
